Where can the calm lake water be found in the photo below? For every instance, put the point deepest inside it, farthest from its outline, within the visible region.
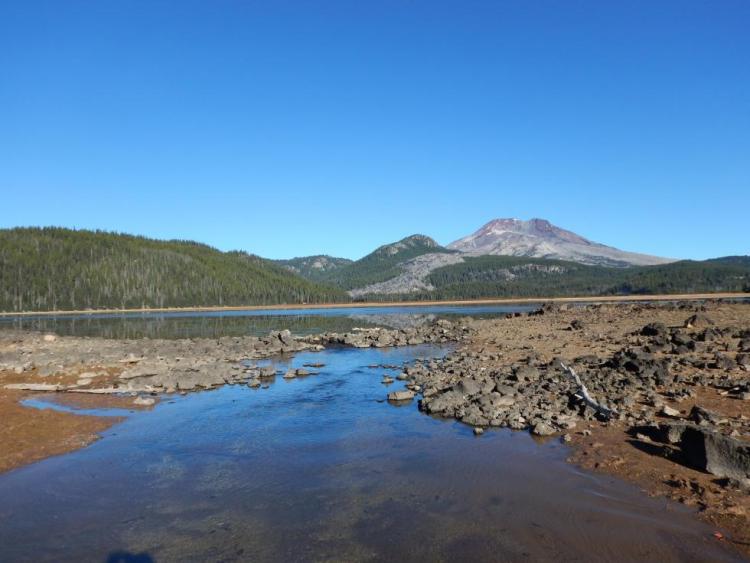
(321, 469)
(256, 322)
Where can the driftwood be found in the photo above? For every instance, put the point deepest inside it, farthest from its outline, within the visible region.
(583, 394)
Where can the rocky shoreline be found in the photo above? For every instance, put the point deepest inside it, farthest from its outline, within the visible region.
(640, 388)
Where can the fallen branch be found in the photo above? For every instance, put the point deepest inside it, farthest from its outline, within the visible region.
(583, 393)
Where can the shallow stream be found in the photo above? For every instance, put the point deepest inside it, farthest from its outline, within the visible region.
(322, 468)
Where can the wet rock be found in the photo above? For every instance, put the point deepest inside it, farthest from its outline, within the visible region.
(290, 374)
(399, 396)
(267, 372)
(144, 401)
(445, 404)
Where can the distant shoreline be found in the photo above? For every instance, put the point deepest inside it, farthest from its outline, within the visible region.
(382, 304)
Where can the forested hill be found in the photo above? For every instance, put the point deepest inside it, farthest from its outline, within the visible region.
(385, 263)
(512, 276)
(314, 268)
(63, 269)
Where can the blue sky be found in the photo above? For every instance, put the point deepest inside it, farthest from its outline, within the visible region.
(294, 128)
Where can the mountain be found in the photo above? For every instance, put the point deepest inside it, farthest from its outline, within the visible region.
(314, 268)
(515, 276)
(538, 238)
(58, 269)
(384, 264)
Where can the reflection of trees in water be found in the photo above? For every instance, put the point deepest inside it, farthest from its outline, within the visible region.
(165, 326)
(216, 325)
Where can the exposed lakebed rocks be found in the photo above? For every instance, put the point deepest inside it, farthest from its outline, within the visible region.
(34, 362)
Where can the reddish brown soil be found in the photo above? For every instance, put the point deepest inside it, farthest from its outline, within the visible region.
(28, 435)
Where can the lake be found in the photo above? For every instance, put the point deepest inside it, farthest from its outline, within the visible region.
(256, 322)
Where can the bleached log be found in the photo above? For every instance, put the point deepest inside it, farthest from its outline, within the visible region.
(584, 394)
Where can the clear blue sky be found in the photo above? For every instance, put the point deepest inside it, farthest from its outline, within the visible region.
(292, 127)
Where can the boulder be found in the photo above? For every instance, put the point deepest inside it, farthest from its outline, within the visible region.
(144, 401)
(267, 372)
(399, 396)
(526, 373)
(708, 450)
(669, 411)
(467, 386)
(542, 429)
(699, 320)
(654, 329)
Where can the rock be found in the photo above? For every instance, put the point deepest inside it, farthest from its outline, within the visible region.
(699, 320)
(267, 372)
(666, 410)
(130, 359)
(445, 404)
(301, 372)
(84, 381)
(34, 386)
(468, 386)
(399, 396)
(253, 383)
(526, 373)
(144, 401)
(50, 337)
(722, 361)
(387, 380)
(576, 325)
(654, 329)
(718, 454)
(704, 417)
(478, 431)
(290, 374)
(542, 429)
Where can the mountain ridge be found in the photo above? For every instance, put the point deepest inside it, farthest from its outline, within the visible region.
(538, 238)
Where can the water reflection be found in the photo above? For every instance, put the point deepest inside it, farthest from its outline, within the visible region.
(215, 324)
